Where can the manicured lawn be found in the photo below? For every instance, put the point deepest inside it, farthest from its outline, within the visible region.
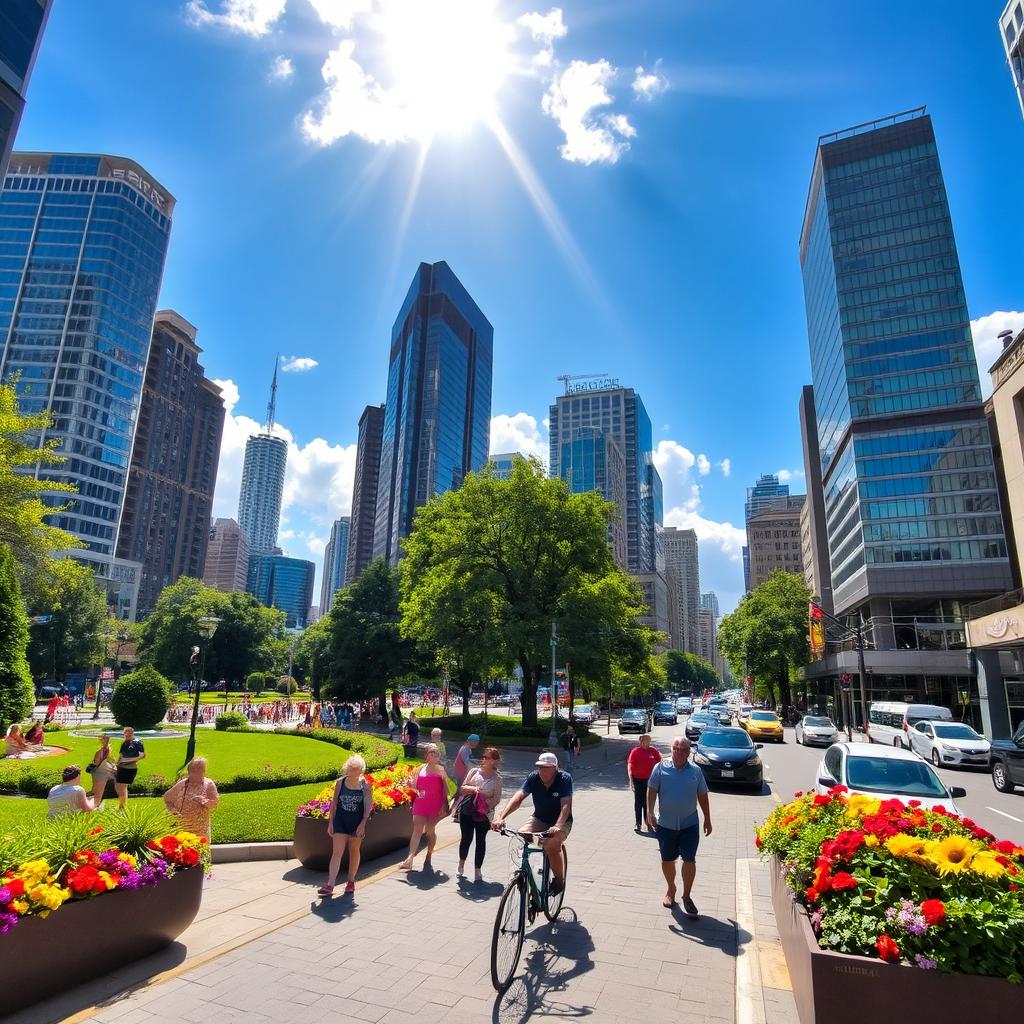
(213, 697)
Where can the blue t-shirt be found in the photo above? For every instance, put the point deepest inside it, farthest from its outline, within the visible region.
(547, 800)
(677, 789)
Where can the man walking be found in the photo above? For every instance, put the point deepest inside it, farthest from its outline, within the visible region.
(464, 759)
(571, 746)
(642, 760)
(411, 735)
(678, 785)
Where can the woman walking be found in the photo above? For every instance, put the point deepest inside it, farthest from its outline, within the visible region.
(350, 810)
(428, 808)
(479, 795)
(102, 770)
(131, 753)
(193, 798)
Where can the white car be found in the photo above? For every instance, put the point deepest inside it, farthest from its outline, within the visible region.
(949, 743)
(816, 730)
(744, 712)
(585, 713)
(884, 772)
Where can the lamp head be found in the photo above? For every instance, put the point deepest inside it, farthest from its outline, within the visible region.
(208, 626)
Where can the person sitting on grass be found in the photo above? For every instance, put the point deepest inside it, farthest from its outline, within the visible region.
(350, 810)
(68, 796)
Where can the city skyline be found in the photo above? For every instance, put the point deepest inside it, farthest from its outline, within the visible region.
(694, 115)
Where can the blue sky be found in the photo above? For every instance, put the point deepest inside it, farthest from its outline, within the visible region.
(620, 187)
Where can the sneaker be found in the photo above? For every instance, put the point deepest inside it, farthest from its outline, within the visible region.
(460, 872)
(690, 907)
(478, 876)
(325, 890)
(636, 829)
(556, 886)
(350, 887)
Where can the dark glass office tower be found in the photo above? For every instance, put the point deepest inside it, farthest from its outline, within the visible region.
(364, 493)
(21, 29)
(911, 504)
(437, 416)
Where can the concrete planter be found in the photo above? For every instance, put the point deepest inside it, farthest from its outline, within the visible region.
(87, 938)
(386, 831)
(838, 988)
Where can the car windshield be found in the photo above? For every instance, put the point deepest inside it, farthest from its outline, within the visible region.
(956, 732)
(818, 723)
(763, 716)
(702, 718)
(914, 718)
(893, 775)
(632, 714)
(663, 706)
(725, 738)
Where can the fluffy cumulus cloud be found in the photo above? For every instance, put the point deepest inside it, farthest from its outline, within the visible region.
(340, 14)
(648, 84)
(249, 17)
(703, 465)
(987, 346)
(298, 364)
(519, 432)
(544, 29)
(281, 69)
(789, 476)
(725, 466)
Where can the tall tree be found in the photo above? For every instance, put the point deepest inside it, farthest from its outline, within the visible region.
(73, 638)
(168, 634)
(247, 638)
(16, 693)
(312, 659)
(685, 671)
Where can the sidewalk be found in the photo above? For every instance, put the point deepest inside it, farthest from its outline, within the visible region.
(413, 947)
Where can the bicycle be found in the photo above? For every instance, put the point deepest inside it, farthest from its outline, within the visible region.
(522, 900)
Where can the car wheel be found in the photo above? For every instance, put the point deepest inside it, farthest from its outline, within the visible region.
(935, 757)
(1000, 779)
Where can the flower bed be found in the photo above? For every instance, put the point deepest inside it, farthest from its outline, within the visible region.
(891, 882)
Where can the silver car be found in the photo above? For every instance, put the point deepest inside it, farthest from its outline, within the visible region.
(816, 731)
(949, 743)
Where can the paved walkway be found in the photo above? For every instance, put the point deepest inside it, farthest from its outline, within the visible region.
(415, 947)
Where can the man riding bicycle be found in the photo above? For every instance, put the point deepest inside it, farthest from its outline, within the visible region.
(551, 790)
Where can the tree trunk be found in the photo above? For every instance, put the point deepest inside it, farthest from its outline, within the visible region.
(784, 686)
(529, 699)
(465, 684)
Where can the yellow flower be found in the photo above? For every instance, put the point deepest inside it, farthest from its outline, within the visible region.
(858, 805)
(871, 841)
(902, 845)
(986, 865)
(952, 854)
(19, 906)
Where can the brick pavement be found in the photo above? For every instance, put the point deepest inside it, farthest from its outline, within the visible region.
(413, 947)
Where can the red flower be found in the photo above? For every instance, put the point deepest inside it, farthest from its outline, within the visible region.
(844, 846)
(892, 806)
(799, 793)
(913, 803)
(887, 948)
(937, 827)
(820, 801)
(16, 887)
(842, 880)
(1013, 887)
(939, 809)
(838, 789)
(822, 881)
(811, 894)
(188, 857)
(933, 911)
(757, 842)
(1005, 847)
(878, 825)
(84, 880)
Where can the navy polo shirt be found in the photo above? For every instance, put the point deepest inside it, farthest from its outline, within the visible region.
(547, 800)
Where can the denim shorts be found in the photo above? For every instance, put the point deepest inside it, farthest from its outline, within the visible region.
(675, 843)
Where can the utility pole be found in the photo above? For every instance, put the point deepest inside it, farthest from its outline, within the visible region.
(553, 737)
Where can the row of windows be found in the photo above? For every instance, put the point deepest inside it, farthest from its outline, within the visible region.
(962, 459)
(892, 240)
(947, 356)
(922, 440)
(958, 551)
(886, 310)
(983, 526)
(937, 483)
(917, 182)
(906, 381)
(954, 504)
(860, 262)
(916, 342)
(946, 282)
(856, 228)
(915, 400)
(858, 209)
(102, 187)
(907, 324)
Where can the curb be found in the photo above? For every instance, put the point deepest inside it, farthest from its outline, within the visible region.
(240, 853)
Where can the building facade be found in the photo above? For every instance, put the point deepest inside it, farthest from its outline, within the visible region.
(682, 567)
(227, 557)
(766, 493)
(80, 274)
(814, 535)
(259, 500)
(1011, 32)
(335, 559)
(437, 416)
(21, 30)
(165, 525)
(708, 640)
(773, 536)
(503, 463)
(364, 492)
(285, 583)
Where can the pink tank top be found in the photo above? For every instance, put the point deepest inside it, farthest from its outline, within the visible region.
(432, 802)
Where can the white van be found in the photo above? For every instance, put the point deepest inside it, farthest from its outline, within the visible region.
(890, 721)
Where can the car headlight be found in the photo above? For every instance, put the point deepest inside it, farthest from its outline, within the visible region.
(755, 762)
(701, 759)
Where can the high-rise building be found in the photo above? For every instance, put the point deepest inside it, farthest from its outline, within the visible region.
(227, 557)
(814, 535)
(1011, 31)
(766, 493)
(259, 499)
(21, 30)
(709, 603)
(80, 272)
(285, 583)
(682, 566)
(437, 417)
(364, 492)
(911, 502)
(165, 525)
(707, 635)
(503, 463)
(773, 537)
(335, 557)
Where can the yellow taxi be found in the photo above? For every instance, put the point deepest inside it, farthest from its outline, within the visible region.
(764, 725)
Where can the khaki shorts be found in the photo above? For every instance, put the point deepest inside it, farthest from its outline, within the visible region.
(536, 825)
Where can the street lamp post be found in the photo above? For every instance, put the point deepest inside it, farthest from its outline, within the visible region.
(122, 639)
(553, 737)
(207, 627)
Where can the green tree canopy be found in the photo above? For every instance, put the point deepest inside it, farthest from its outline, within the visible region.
(312, 657)
(16, 692)
(686, 671)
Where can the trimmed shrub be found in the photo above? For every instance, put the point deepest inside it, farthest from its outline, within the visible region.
(287, 685)
(257, 682)
(499, 728)
(230, 720)
(141, 698)
(17, 695)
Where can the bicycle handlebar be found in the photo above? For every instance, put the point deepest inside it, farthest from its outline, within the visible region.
(523, 835)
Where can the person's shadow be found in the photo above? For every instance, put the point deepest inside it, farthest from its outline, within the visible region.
(478, 892)
(709, 931)
(334, 909)
(420, 878)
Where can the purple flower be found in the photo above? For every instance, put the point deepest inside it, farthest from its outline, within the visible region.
(109, 859)
(924, 963)
(7, 922)
(917, 925)
(5, 894)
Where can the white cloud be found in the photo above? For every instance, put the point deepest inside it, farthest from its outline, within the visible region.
(703, 465)
(248, 17)
(987, 345)
(545, 29)
(281, 69)
(788, 476)
(728, 538)
(674, 461)
(574, 99)
(648, 84)
(340, 13)
(519, 432)
(725, 466)
(298, 364)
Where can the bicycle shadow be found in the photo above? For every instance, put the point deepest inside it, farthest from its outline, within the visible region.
(561, 952)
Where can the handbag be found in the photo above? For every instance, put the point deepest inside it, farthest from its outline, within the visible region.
(90, 768)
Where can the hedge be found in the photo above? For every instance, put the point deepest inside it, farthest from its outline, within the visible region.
(501, 728)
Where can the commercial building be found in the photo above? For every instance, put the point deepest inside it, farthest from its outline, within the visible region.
(911, 501)
(813, 532)
(335, 559)
(364, 492)
(437, 413)
(286, 583)
(165, 525)
(503, 463)
(709, 606)
(85, 242)
(773, 538)
(708, 639)
(1011, 32)
(682, 567)
(767, 493)
(227, 557)
(21, 30)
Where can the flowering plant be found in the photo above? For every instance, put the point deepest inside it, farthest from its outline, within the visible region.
(892, 880)
(390, 788)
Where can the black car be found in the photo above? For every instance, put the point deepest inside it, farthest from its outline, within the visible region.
(728, 755)
(665, 713)
(633, 720)
(696, 724)
(1007, 760)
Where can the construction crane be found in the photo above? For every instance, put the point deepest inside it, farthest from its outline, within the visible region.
(565, 378)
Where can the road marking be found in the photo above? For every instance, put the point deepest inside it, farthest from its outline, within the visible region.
(749, 994)
(1004, 814)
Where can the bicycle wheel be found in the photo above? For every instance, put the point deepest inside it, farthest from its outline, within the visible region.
(509, 928)
(553, 904)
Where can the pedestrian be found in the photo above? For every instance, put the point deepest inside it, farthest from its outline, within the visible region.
(350, 810)
(428, 808)
(68, 796)
(639, 765)
(193, 798)
(34, 737)
(102, 769)
(131, 753)
(411, 735)
(480, 794)
(571, 746)
(435, 738)
(464, 758)
(678, 786)
(395, 718)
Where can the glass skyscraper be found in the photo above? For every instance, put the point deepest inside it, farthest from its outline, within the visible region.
(911, 505)
(437, 416)
(259, 499)
(21, 29)
(285, 583)
(82, 247)
(335, 559)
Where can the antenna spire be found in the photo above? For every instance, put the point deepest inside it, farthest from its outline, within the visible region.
(272, 404)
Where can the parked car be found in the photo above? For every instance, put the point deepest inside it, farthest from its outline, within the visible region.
(764, 725)
(885, 772)
(684, 705)
(697, 723)
(729, 755)
(1007, 757)
(744, 712)
(723, 713)
(634, 720)
(889, 722)
(585, 713)
(665, 713)
(816, 730)
(949, 743)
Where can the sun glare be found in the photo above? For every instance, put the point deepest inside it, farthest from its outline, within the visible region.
(447, 61)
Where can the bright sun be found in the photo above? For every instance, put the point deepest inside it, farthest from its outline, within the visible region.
(447, 61)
